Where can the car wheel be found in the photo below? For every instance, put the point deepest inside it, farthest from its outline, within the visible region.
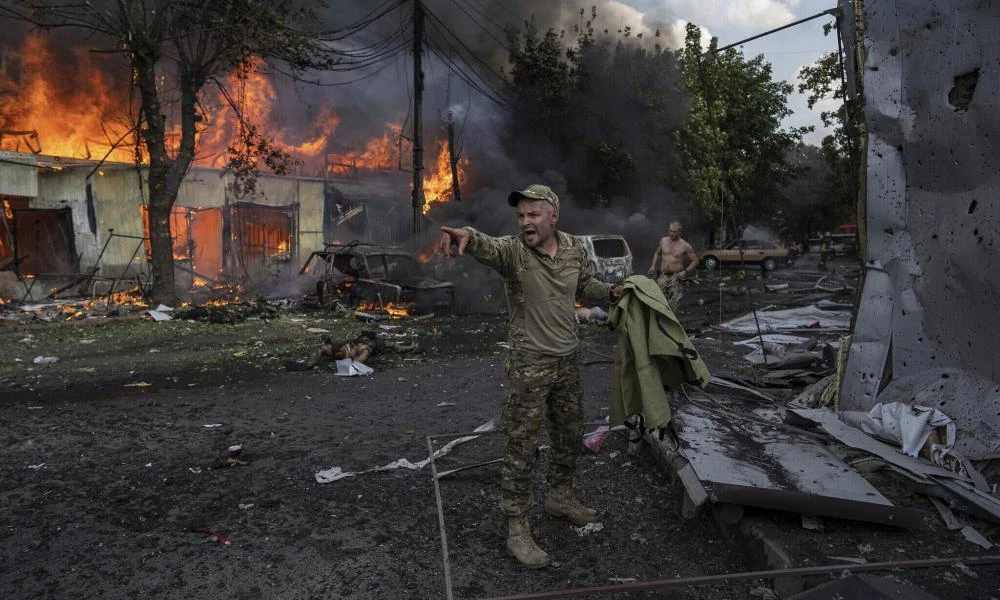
(711, 263)
(769, 264)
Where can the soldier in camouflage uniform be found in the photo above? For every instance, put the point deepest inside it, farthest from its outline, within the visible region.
(545, 271)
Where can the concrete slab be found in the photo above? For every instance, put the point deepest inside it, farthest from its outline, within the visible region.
(753, 462)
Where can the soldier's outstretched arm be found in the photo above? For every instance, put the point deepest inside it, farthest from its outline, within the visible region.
(495, 252)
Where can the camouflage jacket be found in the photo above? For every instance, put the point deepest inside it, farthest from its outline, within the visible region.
(541, 290)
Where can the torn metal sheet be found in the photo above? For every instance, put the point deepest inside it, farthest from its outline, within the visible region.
(870, 346)
(933, 244)
(754, 463)
(985, 505)
(791, 319)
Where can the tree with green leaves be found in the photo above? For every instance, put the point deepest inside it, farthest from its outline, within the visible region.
(732, 149)
(174, 49)
(824, 80)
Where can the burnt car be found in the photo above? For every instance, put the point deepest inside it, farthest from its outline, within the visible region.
(609, 256)
(766, 253)
(371, 276)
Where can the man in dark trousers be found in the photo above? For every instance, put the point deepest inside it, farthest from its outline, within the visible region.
(545, 271)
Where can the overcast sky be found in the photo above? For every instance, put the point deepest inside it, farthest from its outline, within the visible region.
(734, 20)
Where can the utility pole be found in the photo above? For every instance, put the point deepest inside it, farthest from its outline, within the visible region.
(452, 155)
(418, 96)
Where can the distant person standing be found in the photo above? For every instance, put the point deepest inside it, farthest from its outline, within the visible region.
(668, 264)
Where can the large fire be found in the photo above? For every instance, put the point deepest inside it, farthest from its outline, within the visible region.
(82, 113)
(62, 114)
(438, 182)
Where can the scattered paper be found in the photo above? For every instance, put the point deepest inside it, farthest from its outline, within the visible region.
(45, 360)
(36, 467)
(212, 425)
(138, 384)
(317, 330)
(348, 367)
(159, 315)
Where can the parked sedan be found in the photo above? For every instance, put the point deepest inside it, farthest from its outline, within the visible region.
(765, 253)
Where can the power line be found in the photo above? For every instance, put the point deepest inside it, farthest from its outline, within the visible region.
(832, 11)
(438, 23)
(516, 16)
(373, 16)
(450, 63)
(449, 59)
(479, 23)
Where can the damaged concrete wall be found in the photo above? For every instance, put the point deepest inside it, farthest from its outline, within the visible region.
(926, 326)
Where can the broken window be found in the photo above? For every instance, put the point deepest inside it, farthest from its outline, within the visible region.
(44, 243)
(263, 234)
(610, 247)
(196, 235)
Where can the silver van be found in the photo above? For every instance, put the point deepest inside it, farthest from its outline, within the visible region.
(609, 256)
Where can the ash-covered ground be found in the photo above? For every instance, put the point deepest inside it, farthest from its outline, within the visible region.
(120, 476)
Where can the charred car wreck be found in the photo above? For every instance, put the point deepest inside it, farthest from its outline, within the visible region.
(370, 276)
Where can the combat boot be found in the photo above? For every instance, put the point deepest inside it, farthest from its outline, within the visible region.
(561, 502)
(523, 546)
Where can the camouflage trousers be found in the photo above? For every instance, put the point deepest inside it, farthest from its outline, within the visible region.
(539, 388)
(673, 288)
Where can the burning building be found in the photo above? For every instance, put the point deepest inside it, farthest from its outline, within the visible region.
(72, 221)
(73, 194)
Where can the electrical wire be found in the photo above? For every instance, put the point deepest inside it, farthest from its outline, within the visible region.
(516, 16)
(444, 28)
(462, 8)
(465, 77)
(447, 57)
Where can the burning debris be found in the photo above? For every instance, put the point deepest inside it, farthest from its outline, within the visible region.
(229, 312)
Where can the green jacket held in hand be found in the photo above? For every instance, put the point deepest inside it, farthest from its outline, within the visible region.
(654, 355)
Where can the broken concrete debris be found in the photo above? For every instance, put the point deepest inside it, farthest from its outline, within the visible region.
(758, 463)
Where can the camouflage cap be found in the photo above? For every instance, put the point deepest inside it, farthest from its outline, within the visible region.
(534, 192)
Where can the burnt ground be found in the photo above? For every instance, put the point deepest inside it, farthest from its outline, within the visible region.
(115, 469)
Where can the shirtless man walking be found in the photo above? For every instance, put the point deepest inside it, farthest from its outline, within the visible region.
(668, 264)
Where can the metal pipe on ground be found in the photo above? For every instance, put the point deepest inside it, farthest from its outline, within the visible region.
(660, 584)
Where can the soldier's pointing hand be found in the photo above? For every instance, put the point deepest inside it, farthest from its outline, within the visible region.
(457, 236)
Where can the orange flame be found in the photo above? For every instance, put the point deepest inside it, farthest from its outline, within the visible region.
(437, 183)
(66, 110)
(397, 310)
(380, 153)
(81, 113)
(256, 97)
